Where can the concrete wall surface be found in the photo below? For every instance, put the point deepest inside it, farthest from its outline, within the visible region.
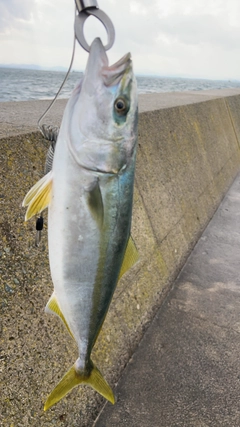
(188, 155)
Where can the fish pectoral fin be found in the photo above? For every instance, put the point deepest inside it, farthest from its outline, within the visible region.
(71, 379)
(130, 258)
(52, 307)
(95, 203)
(39, 197)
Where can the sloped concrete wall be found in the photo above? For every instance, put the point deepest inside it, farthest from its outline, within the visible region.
(187, 158)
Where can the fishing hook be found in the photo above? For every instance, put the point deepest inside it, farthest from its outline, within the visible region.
(88, 8)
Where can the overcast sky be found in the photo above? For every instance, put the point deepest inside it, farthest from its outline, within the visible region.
(186, 38)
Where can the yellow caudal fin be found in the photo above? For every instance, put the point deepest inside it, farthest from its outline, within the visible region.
(71, 379)
(130, 258)
(98, 383)
(52, 307)
(38, 198)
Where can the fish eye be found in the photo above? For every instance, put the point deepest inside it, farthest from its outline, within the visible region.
(121, 106)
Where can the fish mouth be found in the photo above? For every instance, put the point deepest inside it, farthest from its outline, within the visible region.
(112, 75)
(97, 57)
(98, 66)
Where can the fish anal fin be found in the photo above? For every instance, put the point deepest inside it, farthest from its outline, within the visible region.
(130, 258)
(72, 378)
(52, 307)
(39, 197)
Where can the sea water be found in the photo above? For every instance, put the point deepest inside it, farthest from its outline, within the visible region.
(25, 85)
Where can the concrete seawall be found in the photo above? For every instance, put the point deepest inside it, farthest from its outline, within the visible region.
(188, 155)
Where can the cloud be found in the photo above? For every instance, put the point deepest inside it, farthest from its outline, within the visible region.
(14, 11)
(180, 37)
(197, 29)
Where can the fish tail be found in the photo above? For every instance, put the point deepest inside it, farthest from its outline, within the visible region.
(72, 378)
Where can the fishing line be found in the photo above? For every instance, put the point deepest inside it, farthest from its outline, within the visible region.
(49, 132)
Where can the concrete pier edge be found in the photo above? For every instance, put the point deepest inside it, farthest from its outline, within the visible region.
(188, 156)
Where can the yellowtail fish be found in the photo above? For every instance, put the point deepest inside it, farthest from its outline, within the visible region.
(89, 194)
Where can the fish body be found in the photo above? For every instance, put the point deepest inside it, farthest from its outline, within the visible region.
(89, 194)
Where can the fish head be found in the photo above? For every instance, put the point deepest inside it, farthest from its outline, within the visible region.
(103, 128)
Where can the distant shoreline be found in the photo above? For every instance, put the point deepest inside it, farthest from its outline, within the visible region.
(59, 69)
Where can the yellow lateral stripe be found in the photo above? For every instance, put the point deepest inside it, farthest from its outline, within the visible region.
(130, 258)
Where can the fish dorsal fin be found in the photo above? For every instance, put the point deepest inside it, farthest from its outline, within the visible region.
(38, 198)
(130, 258)
(52, 307)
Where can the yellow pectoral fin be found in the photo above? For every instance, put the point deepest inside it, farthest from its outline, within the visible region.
(71, 379)
(39, 197)
(130, 258)
(52, 307)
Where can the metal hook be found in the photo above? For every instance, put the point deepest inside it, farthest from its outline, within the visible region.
(85, 9)
(85, 4)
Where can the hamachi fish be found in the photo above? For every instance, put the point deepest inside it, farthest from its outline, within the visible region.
(89, 194)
